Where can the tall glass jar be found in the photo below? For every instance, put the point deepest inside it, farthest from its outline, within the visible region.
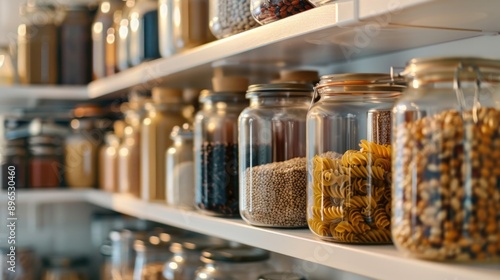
(43, 167)
(38, 44)
(7, 70)
(216, 146)
(272, 155)
(180, 168)
(242, 263)
(123, 36)
(108, 161)
(446, 160)
(267, 11)
(13, 160)
(229, 17)
(349, 158)
(162, 115)
(151, 255)
(143, 20)
(183, 24)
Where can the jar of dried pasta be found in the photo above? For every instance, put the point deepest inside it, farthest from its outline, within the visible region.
(349, 158)
(446, 169)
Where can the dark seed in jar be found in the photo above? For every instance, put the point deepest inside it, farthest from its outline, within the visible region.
(273, 10)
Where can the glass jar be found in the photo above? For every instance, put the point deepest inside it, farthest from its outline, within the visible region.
(7, 72)
(13, 161)
(122, 28)
(216, 146)
(242, 263)
(143, 20)
(349, 158)
(122, 252)
(75, 46)
(81, 152)
(183, 25)
(162, 115)
(229, 17)
(151, 255)
(186, 257)
(44, 167)
(65, 268)
(108, 161)
(266, 11)
(446, 160)
(180, 168)
(298, 76)
(38, 44)
(103, 21)
(272, 155)
(281, 276)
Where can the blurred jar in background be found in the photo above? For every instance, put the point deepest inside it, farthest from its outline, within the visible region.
(108, 158)
(66, 268)
(7, 72)
(45, 162)
(122, 28)
(13, 159)
(143, 20)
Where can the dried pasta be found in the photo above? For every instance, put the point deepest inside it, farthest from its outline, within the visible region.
(375, 236)
(374, 148)
(318, 227)
(333, 212)
(381, 218)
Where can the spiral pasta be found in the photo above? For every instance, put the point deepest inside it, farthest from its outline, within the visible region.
(381, 218)
(375, 236)
(318, 227)
(371, 147)
(333, 212)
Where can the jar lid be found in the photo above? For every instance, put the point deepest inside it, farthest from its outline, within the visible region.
(280, 89)
(440, 69)
(44, 140)
(234, 254)
(184, 131)
(118, 128)
(233, 84)
(198, 244)
(281, 276)
(299, 76)
(42, 151)
(166, 95)
(358, 83)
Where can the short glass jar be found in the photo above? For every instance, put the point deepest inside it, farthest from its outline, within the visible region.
(151, 255)
(13, 160)
(242, 263)
(216, 146)
(267, 11)
(229, 17)
(446, 160)
(272, 155)
(44, 167)
(349, 158)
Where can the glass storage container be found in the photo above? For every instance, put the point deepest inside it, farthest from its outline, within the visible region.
(180, 168)
(229, 17)
(108, 162)
(162, 115)
(122, 27)
(216, 146)
(266, 11)
(446, 160)
(242, 263)
(183, 25)
(349, 158)
(13, 161)
(122, 252)
(143, 21)
(272, 155)
(75, 46)
(44, 167)
(151, 255)
(38, 44)
(7, 70)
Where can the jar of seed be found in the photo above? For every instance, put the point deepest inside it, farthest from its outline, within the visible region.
(216, 146)
(272, 150)
(447, 160)
(228, 17)
(266, 11)
(349, 158)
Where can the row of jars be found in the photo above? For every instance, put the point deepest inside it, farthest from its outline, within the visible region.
(76, 43)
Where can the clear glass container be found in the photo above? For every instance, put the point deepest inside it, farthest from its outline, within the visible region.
(216, 146)
(108, 163)
(183, 25)
(7, 71)
(151, 255)
(162, 115)
(13, 161)
(180, 168)
(229, 17)
(281, 276)
(225, 263)
(75, 46)
(446, 160)
(272, 155)
(349, 158)
(44, 167)
(81, 153)
(103, 21)
(123, 36)
(143, 21)
(266, 11)
(38, 44)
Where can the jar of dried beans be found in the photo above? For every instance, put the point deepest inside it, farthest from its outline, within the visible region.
(272, 155)
(266, 11)
(447, 160)
(228, 17)
(216, 146)
(349, 158)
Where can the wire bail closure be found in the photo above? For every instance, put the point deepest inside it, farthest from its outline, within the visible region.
(457, 86)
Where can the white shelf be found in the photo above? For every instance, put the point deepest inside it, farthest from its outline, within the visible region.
(380, 262)
(34, 92)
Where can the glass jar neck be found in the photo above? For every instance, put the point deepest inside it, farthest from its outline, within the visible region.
(279, 101)
(223, 103)
(182, 141)
(356, 96)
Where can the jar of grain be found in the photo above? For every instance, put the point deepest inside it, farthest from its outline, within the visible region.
(229, 17)
(44, 168)
(349, 158)
(216, 146)
(272, 155)
(267, 11)
(446, 203)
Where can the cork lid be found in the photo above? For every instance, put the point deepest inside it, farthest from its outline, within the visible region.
(230, 84)
(119, 127)
(299, 76)
(166, 95)
(87, 110)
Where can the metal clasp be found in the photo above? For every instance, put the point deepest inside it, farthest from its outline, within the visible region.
(457, 86)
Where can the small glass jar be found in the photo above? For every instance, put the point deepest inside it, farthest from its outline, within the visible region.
(151, 255)
(75, 46)
(143, 21)
(216, 146)
(7, 71)
(229, 17)
(281, 276)
(44, 168)
(38, 44)
(349, 158)
(13, 161)
(180, 168)
(242, 263)
(108, 163)
(162, 115)
(266, 11)
(272, 155)
(122, 27)
(446, 160)
(183, 25)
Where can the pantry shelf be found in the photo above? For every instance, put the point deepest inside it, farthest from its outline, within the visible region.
(380, 262)
(38, 92)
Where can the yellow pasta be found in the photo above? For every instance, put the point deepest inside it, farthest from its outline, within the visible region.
(319, 227)
(317, 213)
(333, 213)
(354, 216)
(348, 237)
(341, 191)
(361, 202)
(360, 186)
(353, 157)
(383, 163)
(371, 147)
(347, 227)
(381, 218)
(375, 236)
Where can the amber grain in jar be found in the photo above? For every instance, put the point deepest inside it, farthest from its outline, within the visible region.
(349, 158)
(446, 171)
(44, 168)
